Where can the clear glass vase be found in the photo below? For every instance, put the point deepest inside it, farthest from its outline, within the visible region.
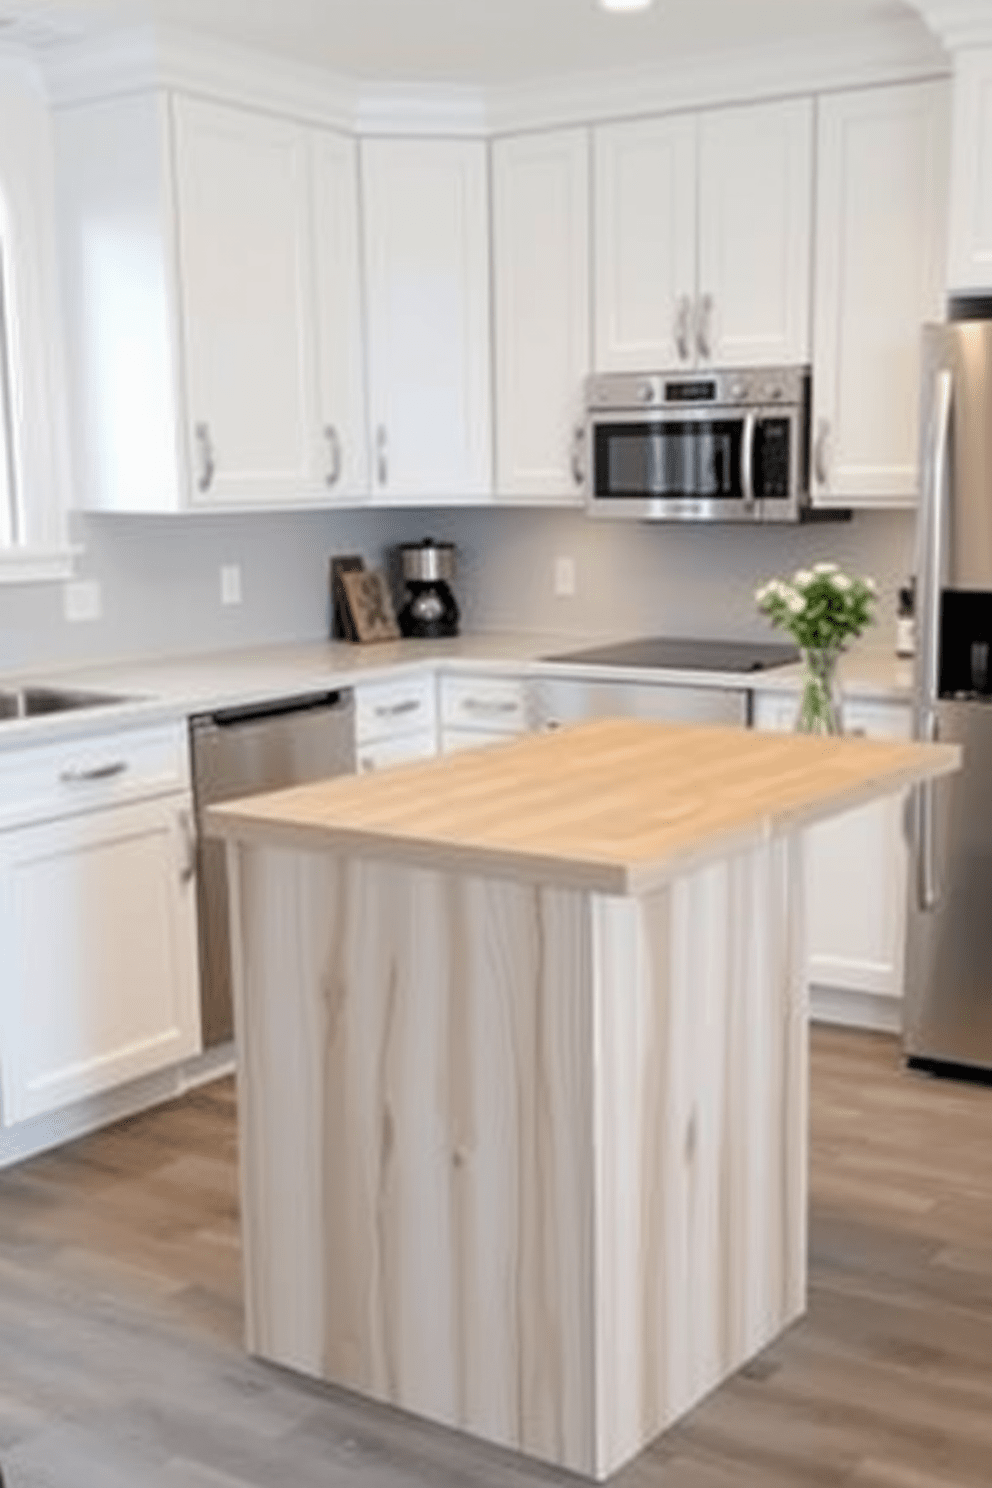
(820, 700)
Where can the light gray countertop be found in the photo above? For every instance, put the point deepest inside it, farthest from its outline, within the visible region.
(159, 689)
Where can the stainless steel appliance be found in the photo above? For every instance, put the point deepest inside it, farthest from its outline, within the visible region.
(948, 1019)
(428, 570)
(239, 752)
(721, 446)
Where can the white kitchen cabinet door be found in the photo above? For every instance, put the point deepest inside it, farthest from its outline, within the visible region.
(881, 215)
(856, 875)
(644, 231)
(342, 457)
(971, 175)
(98, 926)
(755, 231)
(427, 291)
(245, 266)
(542, 330)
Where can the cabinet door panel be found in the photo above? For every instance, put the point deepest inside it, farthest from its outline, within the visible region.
(881, 213)
(100, 983)
(645, 241)
(427, 283)
(245, 262)
(342, 457)
(541, 278)
(755, 223)
(971, 180)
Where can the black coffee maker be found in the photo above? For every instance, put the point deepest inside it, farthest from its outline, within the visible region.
(428, 568)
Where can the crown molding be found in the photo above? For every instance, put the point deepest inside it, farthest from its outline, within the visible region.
(897, 51)
(959, 24)
(138, 60)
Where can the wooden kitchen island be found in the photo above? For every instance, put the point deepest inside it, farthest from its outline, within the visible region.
(522, 1072)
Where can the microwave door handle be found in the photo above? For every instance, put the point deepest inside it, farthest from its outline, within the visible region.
(747, 459)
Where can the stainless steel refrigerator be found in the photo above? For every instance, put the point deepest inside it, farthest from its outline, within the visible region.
(948, 1022)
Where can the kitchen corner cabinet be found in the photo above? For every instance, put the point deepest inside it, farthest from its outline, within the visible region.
(427, 289)
(702, 229)
(97, 918)
(541, 313)
(881, 215)
(857, 868)
(211, 274)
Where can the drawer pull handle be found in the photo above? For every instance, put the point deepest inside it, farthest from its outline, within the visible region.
(490, 706)
(334, 449)
(205, 453)
(80, 774)
(397, 710)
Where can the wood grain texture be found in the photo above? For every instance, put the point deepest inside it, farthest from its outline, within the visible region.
(525, 1161)
(615, 805)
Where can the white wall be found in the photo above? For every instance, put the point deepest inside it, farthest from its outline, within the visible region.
(160, 589)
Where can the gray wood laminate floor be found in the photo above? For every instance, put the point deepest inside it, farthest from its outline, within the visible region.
(120, 1319)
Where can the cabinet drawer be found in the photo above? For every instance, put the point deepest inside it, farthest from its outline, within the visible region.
(91, 771)
(384, 710)
(382, 753)
(496, 705)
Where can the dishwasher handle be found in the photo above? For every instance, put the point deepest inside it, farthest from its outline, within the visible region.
(271, 708)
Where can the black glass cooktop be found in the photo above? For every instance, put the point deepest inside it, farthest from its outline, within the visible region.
(682, 653)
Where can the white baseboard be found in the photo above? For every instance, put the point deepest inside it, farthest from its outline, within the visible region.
(40, 1133)
(855, 1009)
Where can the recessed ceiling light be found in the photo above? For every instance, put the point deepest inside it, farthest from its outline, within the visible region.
(625, 5)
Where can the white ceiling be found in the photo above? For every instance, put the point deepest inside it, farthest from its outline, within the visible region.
(477, 41)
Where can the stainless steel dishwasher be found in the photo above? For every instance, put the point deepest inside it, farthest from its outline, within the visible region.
(240, 752)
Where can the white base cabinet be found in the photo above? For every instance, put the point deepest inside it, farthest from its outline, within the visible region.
(98, 925)
(857, 867)
(395, 721)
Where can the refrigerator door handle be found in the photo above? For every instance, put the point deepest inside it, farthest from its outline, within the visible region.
(935, 499)
(927, 892)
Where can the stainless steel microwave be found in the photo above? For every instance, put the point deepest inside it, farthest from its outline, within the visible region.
(717, 446)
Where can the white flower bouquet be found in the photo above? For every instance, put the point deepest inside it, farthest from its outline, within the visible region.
(822, 608)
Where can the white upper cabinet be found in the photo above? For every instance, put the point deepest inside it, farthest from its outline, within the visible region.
(427, 292)
(702, 229)
(542, 313)
(970, 249)
(245, 269)
(881, 215)
(644, 229)
(213, 306)
(755, 229)
(342, 460)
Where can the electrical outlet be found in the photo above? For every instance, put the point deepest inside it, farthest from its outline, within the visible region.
(230, 583)
(81, 600)
(564, 578)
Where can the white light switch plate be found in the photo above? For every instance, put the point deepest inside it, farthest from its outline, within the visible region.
(81, 600)
(230, 583)
(564, 578)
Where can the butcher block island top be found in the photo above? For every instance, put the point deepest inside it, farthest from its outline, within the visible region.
(616, 805)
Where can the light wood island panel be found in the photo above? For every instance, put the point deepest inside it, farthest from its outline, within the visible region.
(522, 1153)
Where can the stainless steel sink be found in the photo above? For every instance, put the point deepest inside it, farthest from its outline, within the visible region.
(34, 702)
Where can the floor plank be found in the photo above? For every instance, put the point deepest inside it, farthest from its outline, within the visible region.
(120, 1319)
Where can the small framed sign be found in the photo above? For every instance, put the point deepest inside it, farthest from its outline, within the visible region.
(370, 605)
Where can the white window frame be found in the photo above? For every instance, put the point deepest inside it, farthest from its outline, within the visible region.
(40, 548)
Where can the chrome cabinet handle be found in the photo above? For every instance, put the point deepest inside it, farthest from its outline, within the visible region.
(334, 448)
(382, 455)
(205, 451)
(490, 707)
(747, 459)
(80, 774)
(683, 317)
(188, 869)
(821, 454)
(704, 315)
(578, 455)
(397, 710)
